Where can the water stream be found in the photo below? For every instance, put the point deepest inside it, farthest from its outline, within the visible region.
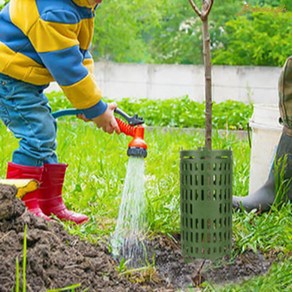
(127, 240)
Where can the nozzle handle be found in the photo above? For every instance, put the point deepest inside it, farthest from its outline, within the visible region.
(126, 128)
(133, 121)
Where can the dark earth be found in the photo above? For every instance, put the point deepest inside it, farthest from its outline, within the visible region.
(56, 259)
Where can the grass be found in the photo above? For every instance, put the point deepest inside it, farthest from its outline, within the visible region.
(94, 182)
(278, 278)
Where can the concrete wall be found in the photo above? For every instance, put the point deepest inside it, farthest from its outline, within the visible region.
(242, 83)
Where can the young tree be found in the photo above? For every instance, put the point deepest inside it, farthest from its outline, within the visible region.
(203, 14)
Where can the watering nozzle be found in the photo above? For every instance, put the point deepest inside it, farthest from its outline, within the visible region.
(137, 146)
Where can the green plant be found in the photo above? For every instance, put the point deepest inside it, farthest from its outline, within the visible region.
(260, 36)
(168, 32)
(121, 38)
(177, 112)
(265, 232)
(17, 276)
(147, 273)
(68, 288)
(17, 269)
(122, 266)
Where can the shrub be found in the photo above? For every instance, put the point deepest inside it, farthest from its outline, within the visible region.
(177, 112)
(262, 36)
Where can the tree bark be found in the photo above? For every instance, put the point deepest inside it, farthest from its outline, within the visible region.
(208, 85)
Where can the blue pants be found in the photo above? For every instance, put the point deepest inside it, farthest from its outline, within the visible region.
(25, 111)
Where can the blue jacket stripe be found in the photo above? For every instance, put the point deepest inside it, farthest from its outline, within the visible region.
(64, 5)
(15, 39)
(70, 70)
(64, 17)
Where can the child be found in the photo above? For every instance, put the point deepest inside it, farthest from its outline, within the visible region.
(43, 41)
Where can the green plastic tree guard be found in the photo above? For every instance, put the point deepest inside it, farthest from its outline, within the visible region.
(206, 203)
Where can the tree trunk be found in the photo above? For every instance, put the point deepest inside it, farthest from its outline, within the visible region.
(208, 84)
(203, 14)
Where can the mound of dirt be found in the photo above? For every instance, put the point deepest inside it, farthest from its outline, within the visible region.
(56, 259)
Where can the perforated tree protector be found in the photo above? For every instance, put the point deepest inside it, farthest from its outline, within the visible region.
(206, 203)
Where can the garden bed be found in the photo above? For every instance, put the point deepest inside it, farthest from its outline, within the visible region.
(56, 259)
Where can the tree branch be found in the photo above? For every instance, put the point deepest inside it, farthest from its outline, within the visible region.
(195, 7)
(207, 9)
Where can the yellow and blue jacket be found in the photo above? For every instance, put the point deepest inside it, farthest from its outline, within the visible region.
(46, 40)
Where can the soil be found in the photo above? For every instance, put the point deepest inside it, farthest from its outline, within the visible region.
(56, 259)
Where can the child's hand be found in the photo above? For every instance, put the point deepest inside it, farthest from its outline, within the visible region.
(82, 117)
(107, 120)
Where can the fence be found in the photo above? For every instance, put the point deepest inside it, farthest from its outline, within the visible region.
(242, 83)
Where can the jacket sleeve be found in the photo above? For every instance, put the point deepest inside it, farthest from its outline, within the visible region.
(58, 47)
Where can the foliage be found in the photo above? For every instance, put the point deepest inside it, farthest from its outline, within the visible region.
(178, 39)
(120, 29)
(260, 36)
(271, 3)
(169, 31)
(177, 112)
(251, 32)
(157, 32)
(269, 231)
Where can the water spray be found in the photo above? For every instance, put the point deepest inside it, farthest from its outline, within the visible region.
(128, 239)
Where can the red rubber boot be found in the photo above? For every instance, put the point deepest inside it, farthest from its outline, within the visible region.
(50, 199)
(30, 200)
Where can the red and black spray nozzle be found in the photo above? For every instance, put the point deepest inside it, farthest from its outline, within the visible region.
(137, 146)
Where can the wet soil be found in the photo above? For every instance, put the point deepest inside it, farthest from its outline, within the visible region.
(56, 259)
